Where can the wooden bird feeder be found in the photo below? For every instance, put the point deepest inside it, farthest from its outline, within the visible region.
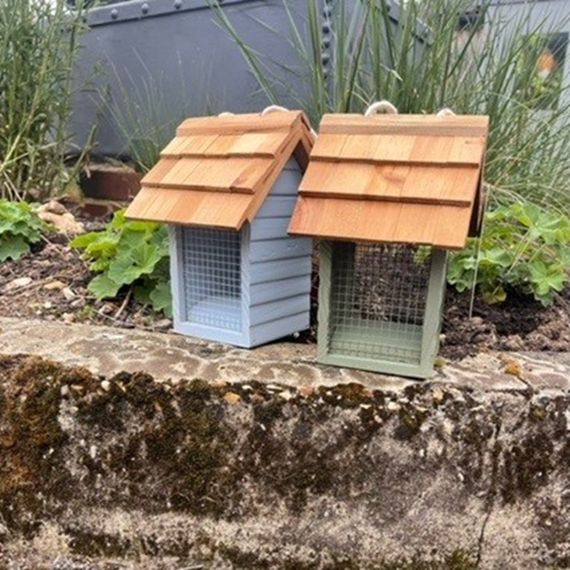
(227, 186)
(378, 187)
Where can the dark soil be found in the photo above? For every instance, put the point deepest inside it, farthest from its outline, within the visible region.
(56, 289)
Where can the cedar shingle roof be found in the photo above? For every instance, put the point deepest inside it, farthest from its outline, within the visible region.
(218, 170)
(393, 178)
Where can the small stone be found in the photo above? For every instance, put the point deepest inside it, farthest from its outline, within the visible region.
(286, 395)
(64, 222)
(448, 427)
(54, 285)
(513, 367)
(68, 318)
(305, 391)
(17, 284)
(68, 293)
(437, 394)
(106, 385)
(232, 397)
(64, 390)
(393, 406)
(163, 324)
(439, 362)
(47, 305)
(54, 207)
(106, 309)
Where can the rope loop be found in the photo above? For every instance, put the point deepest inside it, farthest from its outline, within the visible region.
(226, 114)
(272, 109)
(445, 112)
(381, 107)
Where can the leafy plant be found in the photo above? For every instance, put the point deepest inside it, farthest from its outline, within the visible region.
(20, 226)
(129, 254)
(524, 247)
(38, 43)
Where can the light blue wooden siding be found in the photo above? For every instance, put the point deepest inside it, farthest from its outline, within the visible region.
(279, 265)
(202, 275)
(275, 275)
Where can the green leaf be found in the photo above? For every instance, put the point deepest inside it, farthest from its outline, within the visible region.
(545, 278)
(496, 295)
(13, 247)
(161, 298)
(103, 287)
(132, 264)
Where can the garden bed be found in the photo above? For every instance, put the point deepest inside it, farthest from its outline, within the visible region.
(51, 283)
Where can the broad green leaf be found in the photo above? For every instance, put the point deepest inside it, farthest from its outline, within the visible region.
(103, 287)
(546, 278)
(13, 247)
(161, 298)
(129, 265)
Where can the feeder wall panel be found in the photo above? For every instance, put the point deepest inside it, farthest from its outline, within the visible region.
(279, 265)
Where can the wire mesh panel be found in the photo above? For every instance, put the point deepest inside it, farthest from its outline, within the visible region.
(377, 301)
(211, 275)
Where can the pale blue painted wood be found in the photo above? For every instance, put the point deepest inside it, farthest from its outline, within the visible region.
(211, 333)
(274, 208)
(280, 265)
(269, 312)
(284, 248)
(270, 228)
(266, 271)
(275, 275)
(274, 329)
(280, 289)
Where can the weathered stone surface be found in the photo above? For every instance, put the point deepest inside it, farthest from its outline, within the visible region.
(432, 476)
(109, 350)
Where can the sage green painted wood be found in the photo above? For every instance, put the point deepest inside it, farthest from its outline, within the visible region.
(434, 311)
(325, 265)
(419, 342)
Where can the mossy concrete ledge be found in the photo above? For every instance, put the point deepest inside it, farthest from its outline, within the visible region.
(260, 476)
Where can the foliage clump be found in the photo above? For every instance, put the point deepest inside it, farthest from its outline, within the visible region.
(129, 254)
(20, 226)
(523, 247)
(38, 44)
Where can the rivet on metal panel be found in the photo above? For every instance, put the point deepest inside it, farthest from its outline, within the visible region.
(144, 8)
(114, 13)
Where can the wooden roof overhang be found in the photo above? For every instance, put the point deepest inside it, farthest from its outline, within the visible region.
(394, 178)
(217, 171)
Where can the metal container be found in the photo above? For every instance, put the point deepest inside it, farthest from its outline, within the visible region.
(174, 56)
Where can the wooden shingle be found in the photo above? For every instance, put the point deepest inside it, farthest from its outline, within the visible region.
(393, 178)
(217, 171)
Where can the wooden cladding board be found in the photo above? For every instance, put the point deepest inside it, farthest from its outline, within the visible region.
(218, 170)
(393, 178)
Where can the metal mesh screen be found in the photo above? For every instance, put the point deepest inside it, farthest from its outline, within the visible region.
(211, 273)
(378, 301)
